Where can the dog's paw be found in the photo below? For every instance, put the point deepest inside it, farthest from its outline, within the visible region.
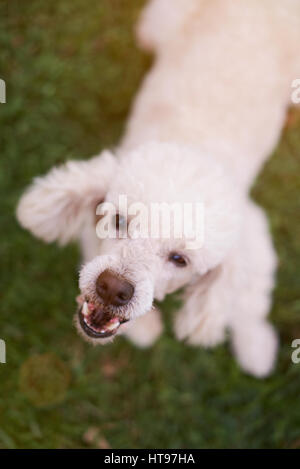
(255, 346)
(206, 330)
(145, 330)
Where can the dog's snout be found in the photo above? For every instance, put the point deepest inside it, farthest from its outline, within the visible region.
(113, 290)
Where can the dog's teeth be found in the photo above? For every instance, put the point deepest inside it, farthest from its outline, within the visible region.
(113, 326)
(85, 309)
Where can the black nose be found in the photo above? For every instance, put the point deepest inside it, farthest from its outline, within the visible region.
(113, 290)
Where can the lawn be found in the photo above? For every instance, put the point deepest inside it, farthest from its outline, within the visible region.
(71, 69)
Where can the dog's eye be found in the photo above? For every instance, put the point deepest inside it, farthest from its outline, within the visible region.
(177, 259)
(119, 221)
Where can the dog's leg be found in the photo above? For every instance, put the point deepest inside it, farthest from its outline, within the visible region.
(146, 329)
(207, 326)
(237, 297)
(239, 301)
(253, 338)
(254, 343)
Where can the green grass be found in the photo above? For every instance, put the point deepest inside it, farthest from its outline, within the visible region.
(71, 69)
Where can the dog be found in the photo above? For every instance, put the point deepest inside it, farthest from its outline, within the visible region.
(206, 118)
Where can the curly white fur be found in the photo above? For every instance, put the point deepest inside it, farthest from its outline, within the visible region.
(206, 118)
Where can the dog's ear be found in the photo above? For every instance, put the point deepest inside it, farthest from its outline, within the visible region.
(56, 206)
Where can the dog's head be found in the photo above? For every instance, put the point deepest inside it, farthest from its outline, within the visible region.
(155, 192)
(140, 248)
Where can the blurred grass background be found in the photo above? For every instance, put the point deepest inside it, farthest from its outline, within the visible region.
(71, 69)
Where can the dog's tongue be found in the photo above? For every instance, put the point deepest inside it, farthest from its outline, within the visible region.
(97, 319)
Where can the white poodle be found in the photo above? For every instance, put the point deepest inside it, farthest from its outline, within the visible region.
(206, 118)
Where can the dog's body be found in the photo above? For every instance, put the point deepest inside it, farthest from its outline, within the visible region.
(222, 78)
(205, 120)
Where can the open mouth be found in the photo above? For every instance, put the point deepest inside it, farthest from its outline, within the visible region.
(97, 322)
